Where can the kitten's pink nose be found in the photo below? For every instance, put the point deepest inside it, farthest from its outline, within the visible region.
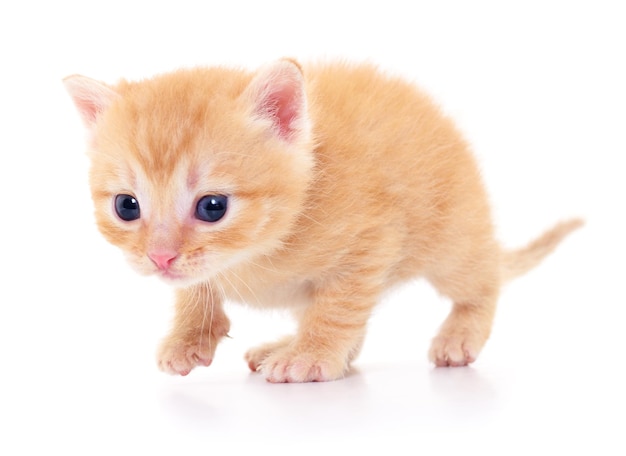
(163, 259)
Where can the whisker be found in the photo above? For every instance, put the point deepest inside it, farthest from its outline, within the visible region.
(197, 289)
(247, 286)
(272, 269)
(221, 288)
(223, 276)
(189, 308)
(302, 214)
(212, 296)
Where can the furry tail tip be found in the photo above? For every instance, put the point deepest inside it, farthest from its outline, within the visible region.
(518, 262)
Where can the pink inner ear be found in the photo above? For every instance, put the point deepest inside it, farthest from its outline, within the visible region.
(284, 104)
(278, 94)
(88, 109)
(90, 97)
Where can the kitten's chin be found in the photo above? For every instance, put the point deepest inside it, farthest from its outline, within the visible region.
(177, 280)
(171, 278)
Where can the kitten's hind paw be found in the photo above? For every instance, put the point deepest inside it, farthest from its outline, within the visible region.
(461, 337)
(454, 349)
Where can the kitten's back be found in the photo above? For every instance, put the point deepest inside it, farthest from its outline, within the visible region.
(390, 167)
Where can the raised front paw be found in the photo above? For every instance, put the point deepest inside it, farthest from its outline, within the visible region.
(180, 356)
(199, 324)
(180, 353)
(293, 364)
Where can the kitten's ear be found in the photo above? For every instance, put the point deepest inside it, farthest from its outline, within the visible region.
(277, 94)
(91, 97)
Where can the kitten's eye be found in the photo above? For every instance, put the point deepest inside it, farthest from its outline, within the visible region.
(211, 208)
(127, 207)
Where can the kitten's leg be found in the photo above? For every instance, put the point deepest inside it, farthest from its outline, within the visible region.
(474, 292)
(330, 334)
(199, 324)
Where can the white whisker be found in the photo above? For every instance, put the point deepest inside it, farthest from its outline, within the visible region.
(236, 290)
(310, 218)
(198, 289)
(247, 286)
(212, 297)
(272, 269)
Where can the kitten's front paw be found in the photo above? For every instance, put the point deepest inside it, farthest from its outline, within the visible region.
(181, 356)
(293, 364)
(255, 356)
(192, 346)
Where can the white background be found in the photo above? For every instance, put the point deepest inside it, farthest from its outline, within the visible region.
(538, 89)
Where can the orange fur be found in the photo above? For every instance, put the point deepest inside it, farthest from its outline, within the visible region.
(342, 181)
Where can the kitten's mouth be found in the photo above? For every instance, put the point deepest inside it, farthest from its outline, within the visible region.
(170, 275)
(176, 279)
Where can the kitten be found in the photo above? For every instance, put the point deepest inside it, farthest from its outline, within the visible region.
(311, 188)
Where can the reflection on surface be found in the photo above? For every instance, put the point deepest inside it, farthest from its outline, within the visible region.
(372, 398)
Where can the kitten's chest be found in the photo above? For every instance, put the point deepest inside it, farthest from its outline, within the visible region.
(264, 288)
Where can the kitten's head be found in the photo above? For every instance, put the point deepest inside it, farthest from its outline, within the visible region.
(195, 171)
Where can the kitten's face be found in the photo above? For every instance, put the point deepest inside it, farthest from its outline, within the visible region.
(196, 171)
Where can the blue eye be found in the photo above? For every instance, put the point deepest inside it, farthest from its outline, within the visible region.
(211, 208)
(127, 207)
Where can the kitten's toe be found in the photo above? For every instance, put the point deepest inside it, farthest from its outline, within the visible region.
(181, 358)
(454, 349)
(255, 356)
(291, 365)
(183, 350)
(462, 336)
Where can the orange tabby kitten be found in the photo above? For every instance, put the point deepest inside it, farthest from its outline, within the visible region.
(314, 188)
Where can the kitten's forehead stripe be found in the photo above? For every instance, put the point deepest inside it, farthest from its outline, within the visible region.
(192, 178)
(170, 116)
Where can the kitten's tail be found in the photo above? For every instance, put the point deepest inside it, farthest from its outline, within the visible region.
(518, 262)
